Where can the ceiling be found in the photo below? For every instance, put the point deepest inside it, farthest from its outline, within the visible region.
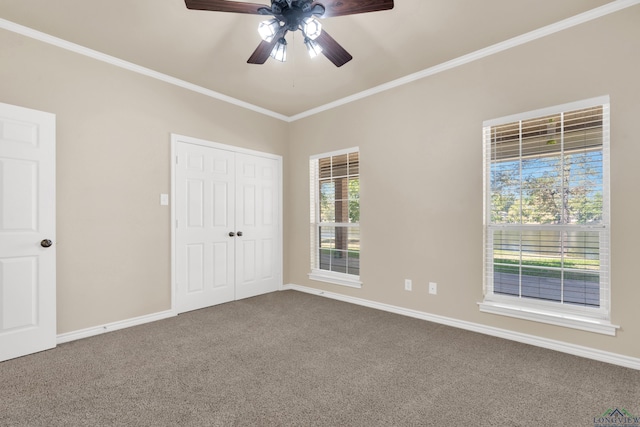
(210, 49)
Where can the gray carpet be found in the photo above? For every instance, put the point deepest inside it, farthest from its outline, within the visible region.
(294, 359)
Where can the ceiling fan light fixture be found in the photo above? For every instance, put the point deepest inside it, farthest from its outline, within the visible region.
(290, 16)
(313, 47)
(279, 52)
(268, 29)
(311, 27)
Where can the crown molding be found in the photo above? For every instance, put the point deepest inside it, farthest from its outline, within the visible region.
(582, 18)
(73, 47)
(590, 15)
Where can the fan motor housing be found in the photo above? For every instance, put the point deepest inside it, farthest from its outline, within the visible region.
(293, 14)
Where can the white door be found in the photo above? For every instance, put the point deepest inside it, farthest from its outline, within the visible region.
(204, 203)
(257, 243)
(27, 232)
(227, 231)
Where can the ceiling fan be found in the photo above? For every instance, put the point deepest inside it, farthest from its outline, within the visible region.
(293, 15)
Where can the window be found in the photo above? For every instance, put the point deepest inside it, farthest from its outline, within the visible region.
(547, 216)
(335, 217)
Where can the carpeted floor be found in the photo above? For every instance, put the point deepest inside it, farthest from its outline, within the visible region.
(293, 359)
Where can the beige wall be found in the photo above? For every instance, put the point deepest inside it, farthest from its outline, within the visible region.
(113, 148)
(421, 173)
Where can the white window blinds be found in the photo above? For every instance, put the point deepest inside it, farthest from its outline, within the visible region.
(335, 215)
(547, 208)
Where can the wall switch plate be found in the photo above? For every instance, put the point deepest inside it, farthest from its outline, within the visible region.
(164, 199)
(407, 284)
(433, 288)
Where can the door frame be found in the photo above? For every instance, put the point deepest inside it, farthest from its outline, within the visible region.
(177, 139)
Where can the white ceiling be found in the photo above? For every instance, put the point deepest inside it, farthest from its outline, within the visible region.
(210, 49)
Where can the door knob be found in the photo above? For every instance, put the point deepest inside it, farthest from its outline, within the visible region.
(46, 243)
(231, 234)
(239, 233)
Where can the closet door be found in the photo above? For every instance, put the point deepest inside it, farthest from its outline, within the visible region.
(227, 237)
(257, 213)
(204, 209)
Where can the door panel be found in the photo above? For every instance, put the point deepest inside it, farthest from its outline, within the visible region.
(195, 203)
(195, 268)
(268, 208)
(248, 258)
(221, 253)
(204, 211)
(220, 208)
(256, 185)
(267, 259)
(27, 216)
(18, 281)
(18, 211)
(248, 206)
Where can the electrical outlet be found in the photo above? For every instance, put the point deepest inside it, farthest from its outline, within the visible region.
(433, 288)
(407, 284)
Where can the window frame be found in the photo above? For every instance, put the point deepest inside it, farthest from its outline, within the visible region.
(318, 274)
(593, 319)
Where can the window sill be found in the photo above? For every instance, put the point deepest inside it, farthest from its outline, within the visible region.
(336, 278)
(543, 315)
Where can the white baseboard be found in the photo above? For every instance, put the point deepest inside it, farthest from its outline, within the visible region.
(576, 350)
(109, 327)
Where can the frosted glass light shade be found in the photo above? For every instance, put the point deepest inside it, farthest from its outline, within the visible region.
(268, 29)
(313, 47)
(279, 52)
(311, 28)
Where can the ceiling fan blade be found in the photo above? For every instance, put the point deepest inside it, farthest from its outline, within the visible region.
(262, 52)
(350, 7)
(332, 50)
(226, 6)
